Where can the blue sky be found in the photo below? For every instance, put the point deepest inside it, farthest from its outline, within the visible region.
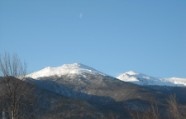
(113, 36)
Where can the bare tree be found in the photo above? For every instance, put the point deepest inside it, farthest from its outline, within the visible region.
(12, 69)
(151, 113)
(174, 107)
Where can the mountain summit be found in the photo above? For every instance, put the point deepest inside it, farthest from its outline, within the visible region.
(143, 79)
(66, 69)
(139, 78)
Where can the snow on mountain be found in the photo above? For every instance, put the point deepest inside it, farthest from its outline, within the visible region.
(175, 81)
(130, 76)
(142, 79)
(138, 78)
(66, 69)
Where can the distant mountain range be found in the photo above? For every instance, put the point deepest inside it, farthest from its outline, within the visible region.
(130, 76)
(102, 93)
(78, 80)
(77, 91)
(142, 79)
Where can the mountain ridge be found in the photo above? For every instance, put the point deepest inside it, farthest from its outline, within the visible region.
(104, 91)
(66, 69)
(130, 76)
(143, 79)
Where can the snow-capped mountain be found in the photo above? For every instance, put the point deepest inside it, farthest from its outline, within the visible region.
(75, 70)
(142, 79)
(138, 78)
(81, 81)
(78, 81)
(66, 69)
(175, 81)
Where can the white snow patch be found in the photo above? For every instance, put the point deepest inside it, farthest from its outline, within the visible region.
(66, 69)
(142, 79)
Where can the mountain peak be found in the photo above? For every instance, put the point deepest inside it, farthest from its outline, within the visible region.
(138, 78)
(131, 73)
(142, 79)
(75, 68)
